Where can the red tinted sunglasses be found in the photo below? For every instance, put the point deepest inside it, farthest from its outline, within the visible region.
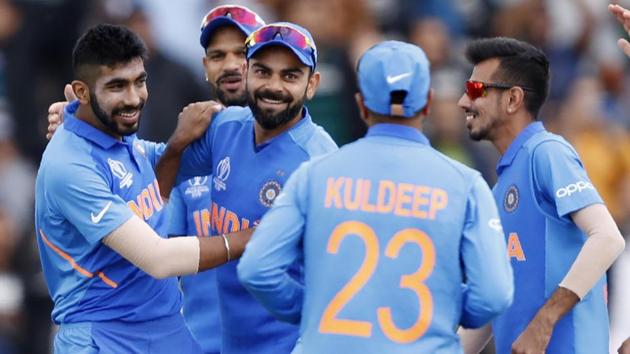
(237, 13)
(476, 89)
(288, 34)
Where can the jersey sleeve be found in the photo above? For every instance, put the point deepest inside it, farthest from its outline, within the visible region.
(274, 246)
(197, 158)
(81, 194)
(153, 151)
(488, 287)
(177, 211)
(561, 178)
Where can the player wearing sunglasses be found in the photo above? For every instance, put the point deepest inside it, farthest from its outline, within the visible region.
(223, 33)
(560, 236)
(250, 152)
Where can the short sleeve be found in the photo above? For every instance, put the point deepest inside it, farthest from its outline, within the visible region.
(152, 150)
(81, 193)
(561, 178)
(197, 158)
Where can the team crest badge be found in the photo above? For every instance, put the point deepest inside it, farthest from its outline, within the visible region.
(118, 169)
(222, 174)
(269, 192)
(511, 199)
(197, 186)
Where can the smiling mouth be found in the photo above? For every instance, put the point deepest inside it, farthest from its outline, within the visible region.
(129, 116)
(470, 116)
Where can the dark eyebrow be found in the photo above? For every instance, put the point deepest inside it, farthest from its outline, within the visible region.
(121, 81)
(262, 66)
(295, 70)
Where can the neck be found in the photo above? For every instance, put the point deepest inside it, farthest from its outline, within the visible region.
(262, 135)
(507, 133)
(86, 114)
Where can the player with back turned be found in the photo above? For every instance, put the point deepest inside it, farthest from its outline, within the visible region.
(400, 243)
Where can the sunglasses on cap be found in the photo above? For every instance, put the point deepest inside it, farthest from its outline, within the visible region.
(239, 14)
(289, 35)
(476, 89)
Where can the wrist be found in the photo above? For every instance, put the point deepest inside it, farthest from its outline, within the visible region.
(175, 146)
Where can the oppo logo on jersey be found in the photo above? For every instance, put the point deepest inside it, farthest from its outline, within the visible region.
(147, 202)
(573, 188)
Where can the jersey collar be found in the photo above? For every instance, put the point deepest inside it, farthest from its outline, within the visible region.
(398, 131)
(87, 131)
(529, 131)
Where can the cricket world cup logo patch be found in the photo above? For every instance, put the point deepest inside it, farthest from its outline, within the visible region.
(510, 202)
(223, 172)
(197, 187)
(119, 170)
(269, 192)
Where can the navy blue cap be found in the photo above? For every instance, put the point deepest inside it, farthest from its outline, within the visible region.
(239, 16)
(272, 34)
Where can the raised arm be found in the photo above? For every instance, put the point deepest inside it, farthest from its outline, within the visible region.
(192, 123)
(623, 16)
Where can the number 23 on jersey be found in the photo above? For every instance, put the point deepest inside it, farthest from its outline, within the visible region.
(331, 323)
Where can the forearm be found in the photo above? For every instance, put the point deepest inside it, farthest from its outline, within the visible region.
(167, 167)
(602, 247)
(474, 340)
(218, 250)
(161, 258)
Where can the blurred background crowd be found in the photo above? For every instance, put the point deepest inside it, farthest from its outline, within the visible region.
(589, 103)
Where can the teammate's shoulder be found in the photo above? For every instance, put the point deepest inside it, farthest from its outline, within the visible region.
(548, 143)
(459, 169)
(233, 114)
(316, 142)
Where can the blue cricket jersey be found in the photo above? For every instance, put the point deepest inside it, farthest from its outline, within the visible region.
(246, 179)
(540, 182)
(400, 245)
(189, 207)
(88, 184)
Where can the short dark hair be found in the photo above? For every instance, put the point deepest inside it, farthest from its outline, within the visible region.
(521, 64)
(107, 45)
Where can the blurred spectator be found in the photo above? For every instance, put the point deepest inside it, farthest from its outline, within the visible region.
(36, 39)
(603, 147)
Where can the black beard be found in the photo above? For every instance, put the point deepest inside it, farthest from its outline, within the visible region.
(222, 97)
(268, 120)
(107, 120)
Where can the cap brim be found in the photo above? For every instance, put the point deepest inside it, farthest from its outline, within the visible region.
(305, 59)
(220, 22)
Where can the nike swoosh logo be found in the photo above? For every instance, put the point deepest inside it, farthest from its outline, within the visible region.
(97, 218)
(392, 79)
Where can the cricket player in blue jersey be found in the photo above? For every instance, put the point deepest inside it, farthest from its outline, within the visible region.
(560, 236)
(250, 153)
(400, 243)
(100, 219)
(223, 33)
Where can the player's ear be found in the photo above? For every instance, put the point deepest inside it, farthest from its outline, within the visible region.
(363, 111)
(313, 84)
(81, 91)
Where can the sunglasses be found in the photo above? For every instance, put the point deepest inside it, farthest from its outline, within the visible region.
(237, 13)
(476, 89)
(289, 35)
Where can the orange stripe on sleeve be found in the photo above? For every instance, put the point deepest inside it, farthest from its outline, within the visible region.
(74, 264)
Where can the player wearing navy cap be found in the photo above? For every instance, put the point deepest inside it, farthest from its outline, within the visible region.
(223, 33)
(100, 219)
(250, 153)
(399, 243)
(560, 236)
